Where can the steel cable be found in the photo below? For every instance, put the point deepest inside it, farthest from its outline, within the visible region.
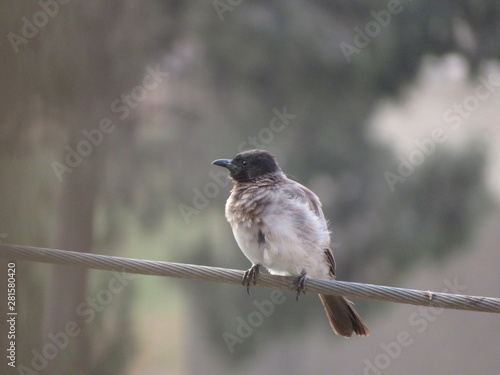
(229, 276)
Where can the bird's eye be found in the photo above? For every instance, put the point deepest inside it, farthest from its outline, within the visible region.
(244, 162)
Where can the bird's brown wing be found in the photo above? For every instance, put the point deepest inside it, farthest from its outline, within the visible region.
(331, 262)
(298, 191)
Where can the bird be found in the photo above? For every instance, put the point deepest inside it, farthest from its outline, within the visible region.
(279, 224)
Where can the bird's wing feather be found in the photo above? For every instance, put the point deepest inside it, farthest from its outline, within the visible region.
(298, 191)
(331, 262)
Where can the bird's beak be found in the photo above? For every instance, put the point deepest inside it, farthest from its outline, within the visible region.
(226, 163)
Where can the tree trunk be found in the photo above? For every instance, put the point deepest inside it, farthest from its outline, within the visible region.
(67, 286)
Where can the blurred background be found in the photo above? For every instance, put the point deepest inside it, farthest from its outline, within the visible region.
(113, 111)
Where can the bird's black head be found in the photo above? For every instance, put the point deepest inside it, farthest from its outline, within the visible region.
(248, 165)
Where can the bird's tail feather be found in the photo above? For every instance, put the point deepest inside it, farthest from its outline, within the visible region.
(343, 319)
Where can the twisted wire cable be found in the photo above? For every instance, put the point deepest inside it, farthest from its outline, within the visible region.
(230, 276)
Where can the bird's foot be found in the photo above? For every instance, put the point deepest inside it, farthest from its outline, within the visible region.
(250, 276)
(300, 284)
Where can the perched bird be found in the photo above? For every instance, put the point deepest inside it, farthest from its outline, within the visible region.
(279, 224)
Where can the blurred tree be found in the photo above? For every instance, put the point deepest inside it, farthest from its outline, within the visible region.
(58, 91)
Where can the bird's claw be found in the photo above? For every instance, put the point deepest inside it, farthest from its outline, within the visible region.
(250, 276)
(300, 284)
